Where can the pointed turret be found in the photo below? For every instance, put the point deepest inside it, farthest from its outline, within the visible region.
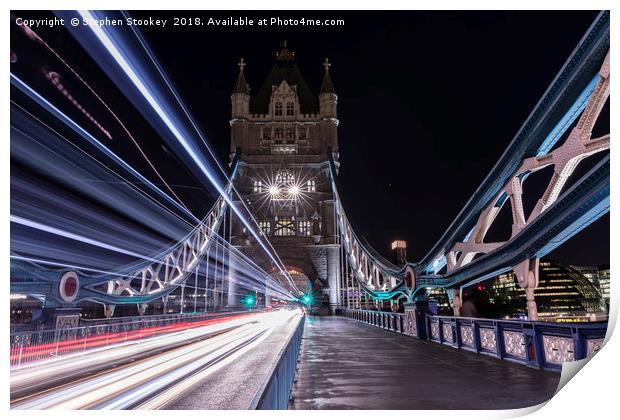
(240, 97)
(241, 86)
(327, 86)
(327, 97)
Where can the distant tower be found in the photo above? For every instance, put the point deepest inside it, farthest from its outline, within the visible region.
(284, 133)
(399, 249)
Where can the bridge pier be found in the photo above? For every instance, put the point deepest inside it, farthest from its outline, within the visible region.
(164, 300)
(233, 288)
(142, 308)
(267, 297)
(333, 277)
(527, 277)
(455, 300)
(109, 310)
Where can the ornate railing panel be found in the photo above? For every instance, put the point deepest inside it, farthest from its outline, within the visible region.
(536, 344)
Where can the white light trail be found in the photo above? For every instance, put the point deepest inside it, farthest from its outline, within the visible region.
(131, 73)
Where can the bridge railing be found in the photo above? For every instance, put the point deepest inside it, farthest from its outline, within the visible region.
(276, 391)
(32, 346)
(536, 344)
(390, 321)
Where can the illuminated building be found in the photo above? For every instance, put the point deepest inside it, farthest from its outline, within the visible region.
(563, 294)
(284, 132)
(599, 277)
(399, 248)
(603, 282)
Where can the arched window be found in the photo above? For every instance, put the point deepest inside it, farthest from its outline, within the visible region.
(278, 108)
(258, 186)
(304, 228)
(265, 226)
(284, 227)
(285, 178)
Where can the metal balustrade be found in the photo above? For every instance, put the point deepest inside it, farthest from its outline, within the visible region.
(386, 320)
(536, 344)
(30, 346)
(276, 391)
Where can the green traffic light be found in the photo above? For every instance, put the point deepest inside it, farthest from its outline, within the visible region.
(249, 301)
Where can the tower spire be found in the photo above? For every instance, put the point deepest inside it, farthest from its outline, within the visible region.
(241, 86)
(327, 86)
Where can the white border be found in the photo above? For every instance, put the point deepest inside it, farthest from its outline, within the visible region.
(590, 394)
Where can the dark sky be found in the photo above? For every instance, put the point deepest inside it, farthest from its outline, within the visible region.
(427, 103)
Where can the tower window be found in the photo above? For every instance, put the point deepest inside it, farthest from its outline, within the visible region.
(284, 227)
(278, 108)
(311, 185)
(285, 177)
(258, 186)
(304, 228)
(278, 133)
(265, 226)
(290, 108)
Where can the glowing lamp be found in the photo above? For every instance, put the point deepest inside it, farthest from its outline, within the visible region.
(249, 300)
(274, 190)
(294, 190)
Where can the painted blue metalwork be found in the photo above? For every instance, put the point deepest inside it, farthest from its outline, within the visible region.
(578, 207)
(568, 118)
(529, 348)
(40, 279)
(563, 92)
(275, 393)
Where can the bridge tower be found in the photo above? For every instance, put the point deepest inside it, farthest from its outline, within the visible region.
(284, 133)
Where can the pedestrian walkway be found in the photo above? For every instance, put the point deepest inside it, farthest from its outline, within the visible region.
(346, 364)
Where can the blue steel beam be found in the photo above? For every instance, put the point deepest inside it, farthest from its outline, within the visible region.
(556, 110)
(43, 279)
(584, 203)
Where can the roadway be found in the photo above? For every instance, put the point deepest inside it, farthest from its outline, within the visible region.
(175, 370)
(346, 364)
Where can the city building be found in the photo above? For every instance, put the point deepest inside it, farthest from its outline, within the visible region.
(599, 277)
(563, 294)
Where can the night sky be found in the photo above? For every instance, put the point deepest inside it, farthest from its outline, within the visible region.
(427, 102)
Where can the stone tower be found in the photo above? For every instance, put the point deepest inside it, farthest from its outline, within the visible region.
(284, 133)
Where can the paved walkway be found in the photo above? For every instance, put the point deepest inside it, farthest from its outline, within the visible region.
(349, 365)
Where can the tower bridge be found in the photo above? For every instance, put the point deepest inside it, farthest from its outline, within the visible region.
(278, 236)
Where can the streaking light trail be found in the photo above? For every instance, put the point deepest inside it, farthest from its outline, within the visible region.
(190, 149)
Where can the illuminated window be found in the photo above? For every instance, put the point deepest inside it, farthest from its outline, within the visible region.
(284, 227)
(258, 186)
(311, 185)
(304, 228)
(265, 226)
(290, 108)
(278, 108)
(285, 177)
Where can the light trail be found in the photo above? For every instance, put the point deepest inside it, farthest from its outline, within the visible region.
(147, 94)
(22, 86)
(33, 35)
(55, 231)
(143, 378)
(18, 148)
(171, 88)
